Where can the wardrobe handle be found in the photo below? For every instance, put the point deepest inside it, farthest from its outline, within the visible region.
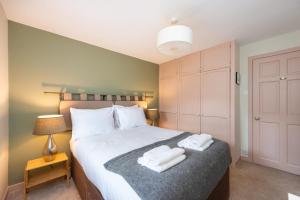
(282, 78)
(257, 118)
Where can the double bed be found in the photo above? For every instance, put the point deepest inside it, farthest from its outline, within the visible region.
(90, 154)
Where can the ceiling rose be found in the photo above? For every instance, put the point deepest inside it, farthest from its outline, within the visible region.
(175, 40)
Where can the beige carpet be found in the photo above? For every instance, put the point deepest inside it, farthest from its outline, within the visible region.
(58, 190)
(254, 182)
(248, 182)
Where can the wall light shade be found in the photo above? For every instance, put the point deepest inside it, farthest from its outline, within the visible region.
(175, 40)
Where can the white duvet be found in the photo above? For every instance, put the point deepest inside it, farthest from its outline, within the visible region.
(93, 151)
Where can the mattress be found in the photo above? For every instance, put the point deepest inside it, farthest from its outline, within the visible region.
(92, 152)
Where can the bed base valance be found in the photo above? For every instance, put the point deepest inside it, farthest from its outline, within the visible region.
(88, 191)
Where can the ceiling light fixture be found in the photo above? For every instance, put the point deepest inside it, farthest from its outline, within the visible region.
(175, 40)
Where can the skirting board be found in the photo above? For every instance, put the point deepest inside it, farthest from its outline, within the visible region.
(246, 158)
(15, 187)
(5, 194)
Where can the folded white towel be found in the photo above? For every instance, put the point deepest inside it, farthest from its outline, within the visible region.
(201, 148)
(161, 168)
(197, 140)
(200, 140)
(164, 157)
(156, 151)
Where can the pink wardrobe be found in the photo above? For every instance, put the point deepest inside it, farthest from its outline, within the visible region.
(197, 93)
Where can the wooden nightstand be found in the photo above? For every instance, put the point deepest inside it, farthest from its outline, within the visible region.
(38, 171)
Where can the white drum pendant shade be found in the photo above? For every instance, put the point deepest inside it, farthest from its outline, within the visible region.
(175, 40)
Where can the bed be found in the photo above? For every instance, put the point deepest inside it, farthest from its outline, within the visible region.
(90, 154)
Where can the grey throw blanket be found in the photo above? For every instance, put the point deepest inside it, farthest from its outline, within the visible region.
(193, 178)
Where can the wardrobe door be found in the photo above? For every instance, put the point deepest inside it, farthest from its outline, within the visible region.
(216, 57)
(168, 120)
(189, 109)
(169, 70)
(168, 94)
(189, 97)
(216, 126)
(215, 93)
(215, 103)
(190, 64)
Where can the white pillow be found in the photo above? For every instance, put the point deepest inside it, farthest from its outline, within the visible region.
(88, 122)
(130, 117)
(115, 107)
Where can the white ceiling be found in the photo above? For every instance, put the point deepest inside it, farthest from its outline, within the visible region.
(131, 26)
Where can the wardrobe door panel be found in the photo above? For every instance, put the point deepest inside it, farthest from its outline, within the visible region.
(218, 127)
(168, 120)
(215, 93)
(189, 123)
(216, 57)
(190, 95)
(190, 64)
(169, 69)
(168, 95)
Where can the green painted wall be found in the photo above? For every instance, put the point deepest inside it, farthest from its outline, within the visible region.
(38, 58)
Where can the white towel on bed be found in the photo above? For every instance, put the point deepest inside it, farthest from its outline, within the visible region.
(163, 167)
(203, 147)
(196, 142)
(164, 157)
(200, 140)
(156, 151)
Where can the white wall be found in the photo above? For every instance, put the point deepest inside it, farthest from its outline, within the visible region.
(3, 103)
(272, 44)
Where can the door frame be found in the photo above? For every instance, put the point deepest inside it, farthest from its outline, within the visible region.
(250, 95)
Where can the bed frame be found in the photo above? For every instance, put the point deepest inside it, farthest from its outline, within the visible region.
(86, 189)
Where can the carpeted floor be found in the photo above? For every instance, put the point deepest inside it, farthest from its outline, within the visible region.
(254, 182)
(247, 182)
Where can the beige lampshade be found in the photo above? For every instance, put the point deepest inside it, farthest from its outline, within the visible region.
(152, 114)
(49, 124)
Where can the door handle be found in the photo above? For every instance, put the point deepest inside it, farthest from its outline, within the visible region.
(257, 118)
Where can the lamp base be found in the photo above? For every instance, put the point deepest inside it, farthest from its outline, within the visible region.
(49, 158)
(50, 149)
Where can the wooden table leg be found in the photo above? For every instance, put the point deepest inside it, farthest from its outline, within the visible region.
(68, 172)
(25, 183)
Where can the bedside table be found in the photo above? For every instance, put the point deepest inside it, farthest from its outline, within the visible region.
(38, 171)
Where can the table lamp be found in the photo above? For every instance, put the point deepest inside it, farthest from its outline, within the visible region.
(153, 115)
(49, 125)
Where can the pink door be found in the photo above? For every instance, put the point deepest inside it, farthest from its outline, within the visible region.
(276, 111)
